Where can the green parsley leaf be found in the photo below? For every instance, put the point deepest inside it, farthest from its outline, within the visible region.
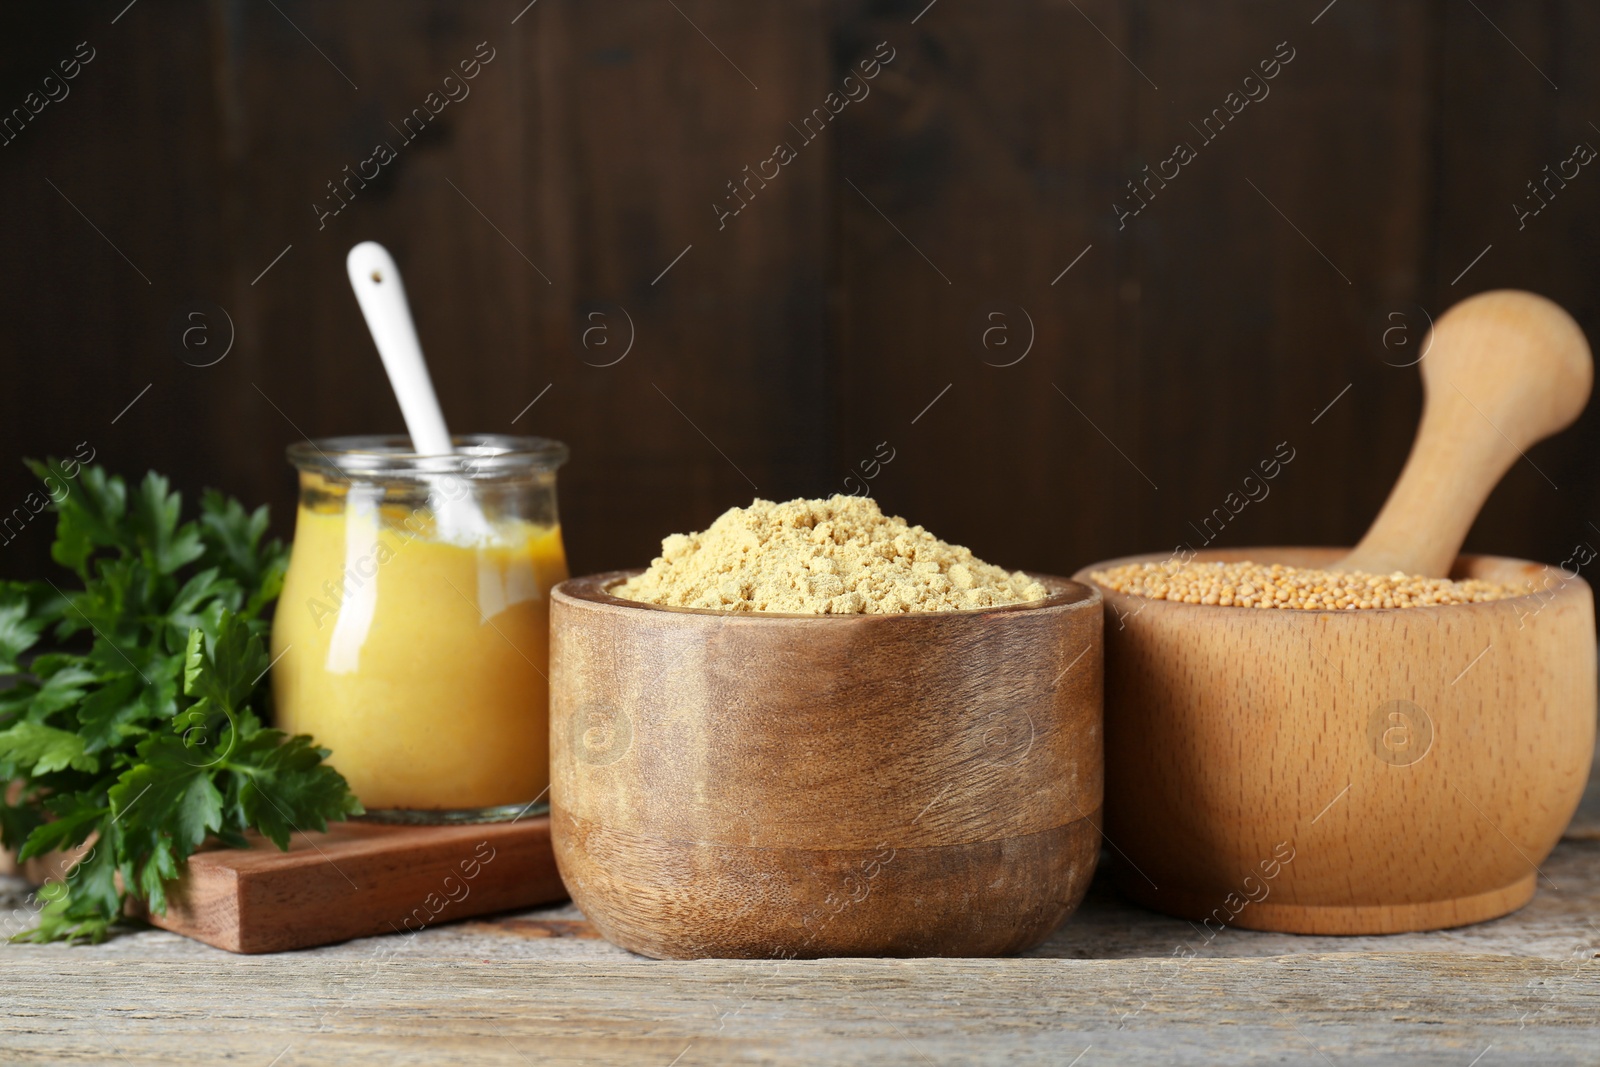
(223, 667)
(62, 689)
(138, 729)
(76, 818)
(35, 749)
(82, 905)
(90, 513)
(104, 713)
(154, 519)
(289, 777)
(18, 632)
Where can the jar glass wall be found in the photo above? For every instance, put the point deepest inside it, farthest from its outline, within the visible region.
(412, 635)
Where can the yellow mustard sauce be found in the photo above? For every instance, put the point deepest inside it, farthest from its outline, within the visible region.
(420, 664)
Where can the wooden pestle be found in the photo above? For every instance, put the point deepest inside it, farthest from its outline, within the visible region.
(1501, 370)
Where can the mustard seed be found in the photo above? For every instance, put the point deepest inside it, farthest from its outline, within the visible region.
(1263, 586)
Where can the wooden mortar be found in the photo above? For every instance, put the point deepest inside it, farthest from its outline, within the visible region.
(1369, 771)
(1417, 764)
(780, 786)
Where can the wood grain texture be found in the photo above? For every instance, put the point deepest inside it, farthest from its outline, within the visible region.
(1429, 1009)
(1136, 985)
(781, 785)
(1346, 772)
(359, 879)
(487, 991)
(808, 331)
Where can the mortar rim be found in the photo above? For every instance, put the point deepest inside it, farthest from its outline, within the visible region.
(1565, 590)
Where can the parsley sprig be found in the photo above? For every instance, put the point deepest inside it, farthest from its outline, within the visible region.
(138, 722)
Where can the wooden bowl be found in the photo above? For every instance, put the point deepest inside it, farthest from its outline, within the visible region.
(1345, 772)
(765, 785)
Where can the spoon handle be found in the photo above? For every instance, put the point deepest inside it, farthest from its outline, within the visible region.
(1500, 371)
(382, 296)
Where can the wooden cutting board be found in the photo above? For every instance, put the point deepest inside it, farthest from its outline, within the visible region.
(358, 879)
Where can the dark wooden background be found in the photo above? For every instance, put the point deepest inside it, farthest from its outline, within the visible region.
(778, 353)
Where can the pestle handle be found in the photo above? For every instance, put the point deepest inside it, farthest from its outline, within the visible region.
(1501, 370)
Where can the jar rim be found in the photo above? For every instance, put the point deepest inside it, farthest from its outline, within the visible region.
(392, 455)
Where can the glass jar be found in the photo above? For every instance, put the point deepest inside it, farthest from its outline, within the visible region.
(412, 635)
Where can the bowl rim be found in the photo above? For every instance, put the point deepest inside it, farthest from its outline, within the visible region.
(595, 590)
(1568, 587)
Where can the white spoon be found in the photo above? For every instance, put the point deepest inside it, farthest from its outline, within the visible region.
(382, 296)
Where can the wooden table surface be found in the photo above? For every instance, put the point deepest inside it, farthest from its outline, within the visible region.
(539, 987)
